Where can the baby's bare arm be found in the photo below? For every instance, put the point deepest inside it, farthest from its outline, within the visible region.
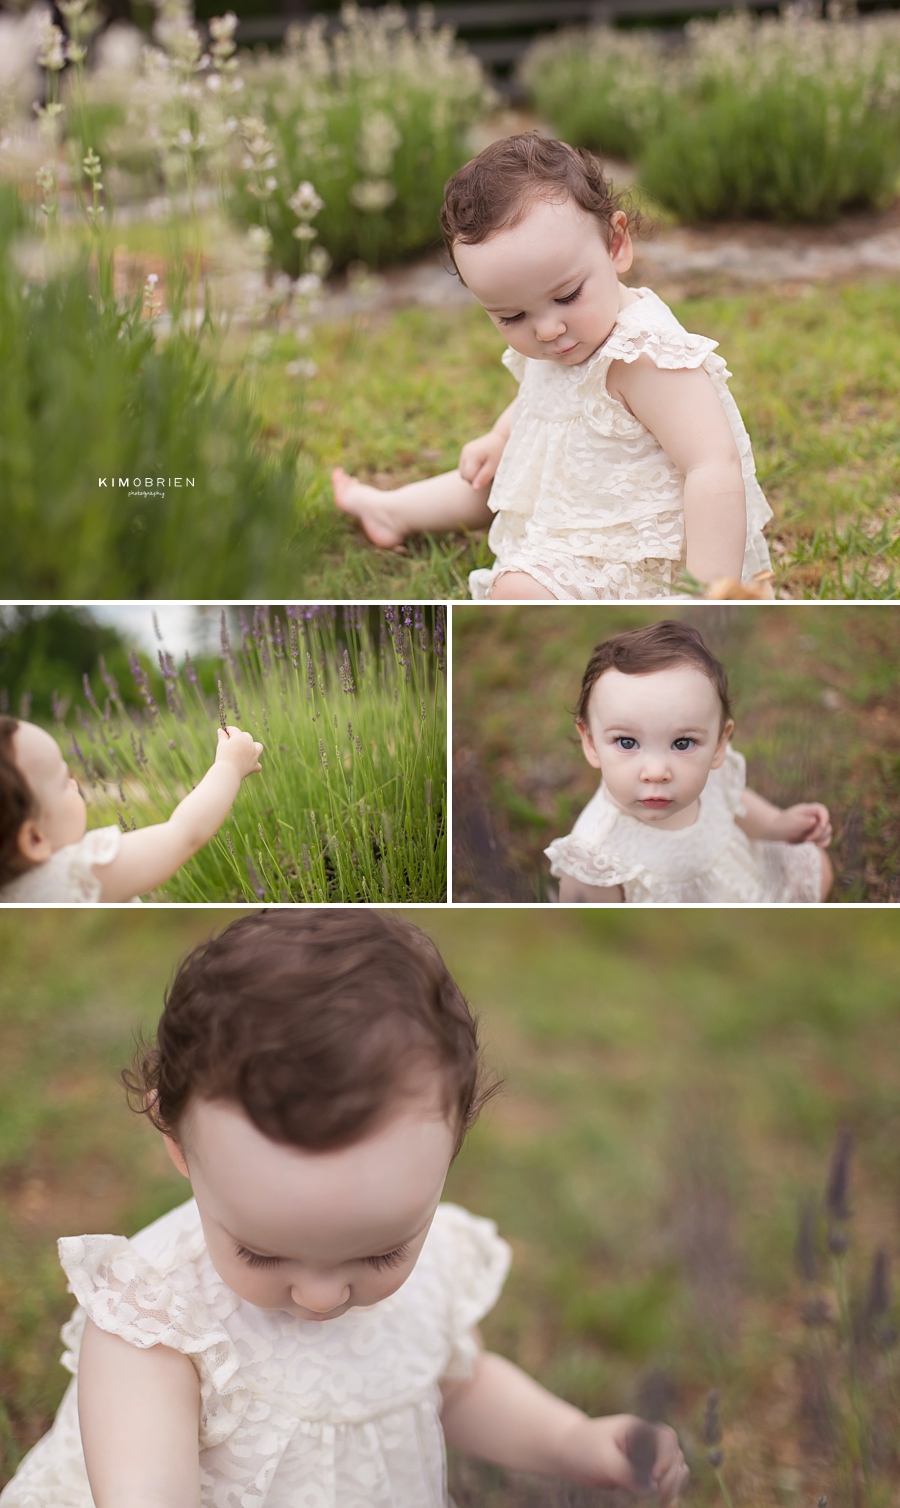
(151, 855)
(684, 412)
(504, 1416)
(574, 892)
(140, 1416)
(479, 458)
(807, 822)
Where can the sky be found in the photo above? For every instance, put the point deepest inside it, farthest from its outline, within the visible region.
(182, 625)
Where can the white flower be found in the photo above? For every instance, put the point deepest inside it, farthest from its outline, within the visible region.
(372, 195)
(305, 202)
(301, 369)
(51, 45)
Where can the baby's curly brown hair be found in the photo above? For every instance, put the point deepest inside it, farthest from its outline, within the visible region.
(17, 802)
(496, 189)
(314, 1022)
(657, 646)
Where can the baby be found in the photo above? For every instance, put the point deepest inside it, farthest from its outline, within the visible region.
(47, 856)
(623, 462)
(673, 820)
(302, 1331)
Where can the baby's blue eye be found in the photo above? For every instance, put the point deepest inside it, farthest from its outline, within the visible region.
(683, 744)
(627, 743)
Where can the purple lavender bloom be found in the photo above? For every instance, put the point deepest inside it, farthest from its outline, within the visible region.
(88, 693)
(109, 681)
(440, 637)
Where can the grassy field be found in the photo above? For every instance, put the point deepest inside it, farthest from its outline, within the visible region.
(673, 1089)
(817, 708)
(815, 376)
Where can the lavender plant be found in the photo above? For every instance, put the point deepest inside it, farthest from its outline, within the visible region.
(788, 118)
(350, 704)
(375, 116)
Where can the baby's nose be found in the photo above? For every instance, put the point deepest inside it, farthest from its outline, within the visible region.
(550, 327)
(319, 1292)
(655, 769)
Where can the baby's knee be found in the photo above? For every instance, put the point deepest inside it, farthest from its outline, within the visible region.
(518, 586)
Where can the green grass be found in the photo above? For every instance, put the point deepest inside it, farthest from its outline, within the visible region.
(350, 803)
(815, 695)
(673, 1088)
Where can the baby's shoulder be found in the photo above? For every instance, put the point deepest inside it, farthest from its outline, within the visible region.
(69, 874)
(648, 328)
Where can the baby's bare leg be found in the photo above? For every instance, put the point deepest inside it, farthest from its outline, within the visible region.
(574, 892)
(827, 875)
(436, 504)
(518, 586)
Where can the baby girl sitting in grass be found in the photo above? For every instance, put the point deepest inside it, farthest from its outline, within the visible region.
(673, 820)
(303, 1332)
(47, 856)
(623, 463)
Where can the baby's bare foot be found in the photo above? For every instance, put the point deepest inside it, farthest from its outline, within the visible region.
(372, 507)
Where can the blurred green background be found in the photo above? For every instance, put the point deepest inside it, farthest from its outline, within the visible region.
(816, 697)
(674, 1084)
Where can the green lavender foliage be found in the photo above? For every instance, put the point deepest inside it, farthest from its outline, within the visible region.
(377, 118)
(86, 392)
(349, 805)
(795, 118)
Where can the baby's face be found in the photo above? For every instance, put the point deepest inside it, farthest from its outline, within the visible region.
(315, 1233)
(550, 283)
(655, 738)
(61, 813)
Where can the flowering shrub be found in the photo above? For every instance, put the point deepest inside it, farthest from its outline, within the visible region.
(375, 117)
(350, 704)
(794, 118)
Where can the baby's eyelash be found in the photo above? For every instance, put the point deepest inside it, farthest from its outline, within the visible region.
(570, 297)
(253, 1258)
(388, 1258)
(510, 319)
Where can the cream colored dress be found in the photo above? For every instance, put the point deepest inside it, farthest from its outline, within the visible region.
(712, 861)
(294, 1414)
(586, 499)
(68, 875)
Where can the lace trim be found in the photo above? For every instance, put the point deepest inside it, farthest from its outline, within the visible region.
(125, 1296)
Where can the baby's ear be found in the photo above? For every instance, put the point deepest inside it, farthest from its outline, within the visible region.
(722, 745)
(587, 744)
(176, 1155)
(32, 844)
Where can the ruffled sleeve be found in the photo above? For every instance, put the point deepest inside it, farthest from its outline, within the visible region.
(100, 846)
(478, 1261)
(514, 362)
(669, 349)
(591, 866)
(590, 852)
(124, 1295)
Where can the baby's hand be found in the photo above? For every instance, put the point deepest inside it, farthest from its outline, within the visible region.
(479, 459)
(240, 750)
(808, 822)
(622, 1451)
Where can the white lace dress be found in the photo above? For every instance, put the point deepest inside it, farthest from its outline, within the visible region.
(586, 499)
(68, 875)
(294, 1414)
(710, 862)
